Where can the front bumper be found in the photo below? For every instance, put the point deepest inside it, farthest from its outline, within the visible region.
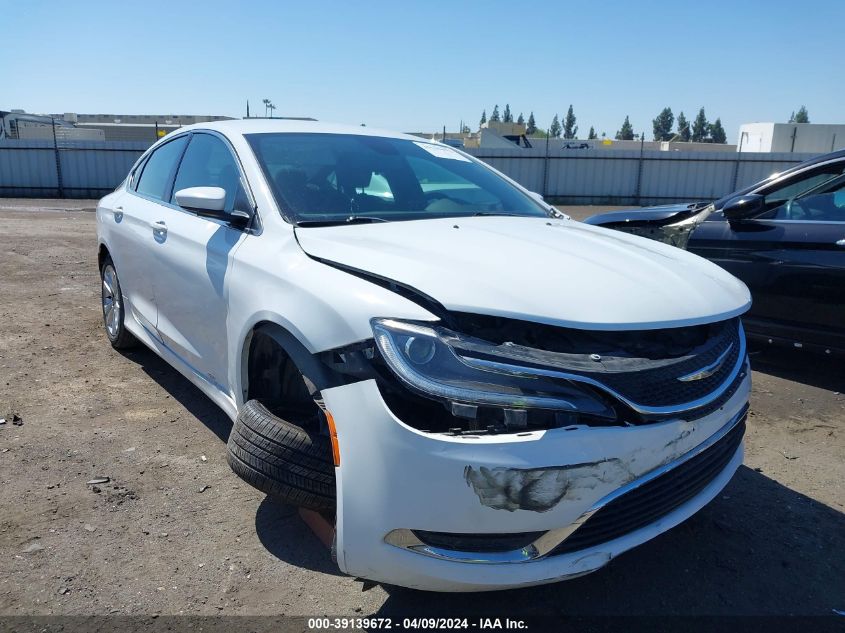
(393, 477)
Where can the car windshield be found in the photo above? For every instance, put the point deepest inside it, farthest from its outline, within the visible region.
(339, 178)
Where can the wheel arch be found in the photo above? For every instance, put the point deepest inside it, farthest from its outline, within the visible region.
(102, 253)
(272, 332)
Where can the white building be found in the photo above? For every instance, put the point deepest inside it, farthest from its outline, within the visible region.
(810, 138)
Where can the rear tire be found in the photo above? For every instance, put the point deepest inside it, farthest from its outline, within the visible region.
(281, 459)
(114, 311)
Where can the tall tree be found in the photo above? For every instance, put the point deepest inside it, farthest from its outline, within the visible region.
(663, 125)
(683, 128)
(554, 128)
(507, 117)
(592, 135)
(483, 118)
(520, 119)
(570, 130)
(700, 128)
(801, 116)
(532, 125)
(495, 118)
(717, 132)
(626, 133)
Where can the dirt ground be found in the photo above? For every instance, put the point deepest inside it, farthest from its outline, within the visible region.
(174, 531)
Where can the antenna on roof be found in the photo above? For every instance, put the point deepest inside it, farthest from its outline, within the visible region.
(247, 108)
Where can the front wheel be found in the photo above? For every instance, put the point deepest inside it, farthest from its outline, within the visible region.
(113, 308)
(282, 459)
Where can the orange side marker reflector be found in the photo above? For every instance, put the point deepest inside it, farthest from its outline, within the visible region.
(333, 437)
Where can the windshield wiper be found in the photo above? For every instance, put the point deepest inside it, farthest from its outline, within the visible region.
(363, 219)
(352, 219)
(501, 214)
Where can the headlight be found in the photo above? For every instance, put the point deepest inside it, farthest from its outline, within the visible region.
(438, 363)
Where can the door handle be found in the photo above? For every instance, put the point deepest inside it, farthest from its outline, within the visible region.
(841, 242)
(159, 227)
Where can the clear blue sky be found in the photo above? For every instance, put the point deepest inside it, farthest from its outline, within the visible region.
(417, 65)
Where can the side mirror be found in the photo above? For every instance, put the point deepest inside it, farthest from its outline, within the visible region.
(743, 207)
(210, 202)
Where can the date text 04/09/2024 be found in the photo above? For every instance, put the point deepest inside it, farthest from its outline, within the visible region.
(409, 624)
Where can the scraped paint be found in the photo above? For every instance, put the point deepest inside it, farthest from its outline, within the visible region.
(541, 489)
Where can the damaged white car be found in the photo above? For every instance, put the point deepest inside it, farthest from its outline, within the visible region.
(477, 391)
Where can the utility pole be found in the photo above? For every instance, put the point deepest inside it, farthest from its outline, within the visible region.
(58, 161)
(546, 167)
(738, 157)
(640, 169)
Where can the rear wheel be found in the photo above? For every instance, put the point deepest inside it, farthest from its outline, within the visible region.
(113, 308)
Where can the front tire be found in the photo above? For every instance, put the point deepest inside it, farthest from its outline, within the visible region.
(281, 459)
(113, 308)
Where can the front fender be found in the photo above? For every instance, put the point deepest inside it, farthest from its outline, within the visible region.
(317, 306)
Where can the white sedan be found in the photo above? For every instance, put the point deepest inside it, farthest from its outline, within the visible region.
(477, 391)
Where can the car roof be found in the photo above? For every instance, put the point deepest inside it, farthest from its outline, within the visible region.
(823, 158)
(293, 126)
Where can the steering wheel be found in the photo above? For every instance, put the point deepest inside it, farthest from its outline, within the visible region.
(794, 210)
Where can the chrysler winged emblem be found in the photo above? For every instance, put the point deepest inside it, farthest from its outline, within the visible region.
(709, 370)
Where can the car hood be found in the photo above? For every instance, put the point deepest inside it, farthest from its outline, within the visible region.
(659, 215)
(559, 272)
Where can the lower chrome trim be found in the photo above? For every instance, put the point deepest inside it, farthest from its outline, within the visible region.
(406, 539)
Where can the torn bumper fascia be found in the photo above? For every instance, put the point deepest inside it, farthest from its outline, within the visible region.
(673, 231)
(393, 477)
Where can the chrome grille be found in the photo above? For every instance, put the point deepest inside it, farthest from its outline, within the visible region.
(662, 386)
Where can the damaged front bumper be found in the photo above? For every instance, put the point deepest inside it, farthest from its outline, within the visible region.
(670, 224)
(478, 512)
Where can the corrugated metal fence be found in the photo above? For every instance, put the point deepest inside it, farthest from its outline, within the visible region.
(596, 176)
(90, 169)
(66, 169)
